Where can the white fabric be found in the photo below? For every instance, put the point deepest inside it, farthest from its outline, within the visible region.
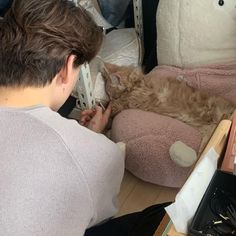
(193, 33)
(56, 177)
(121, 47)
(188, 199)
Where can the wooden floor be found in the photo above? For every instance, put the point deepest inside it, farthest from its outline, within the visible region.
(136, 194)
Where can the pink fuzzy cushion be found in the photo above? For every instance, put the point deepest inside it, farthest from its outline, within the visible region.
(148, 137)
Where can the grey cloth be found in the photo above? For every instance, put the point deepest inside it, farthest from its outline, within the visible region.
(114, 11)
(4, 5)
(56, 177)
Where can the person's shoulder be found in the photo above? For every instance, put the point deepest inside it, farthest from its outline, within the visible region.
(85, 146)
(75, 136)
(65, 128)
(53, 119)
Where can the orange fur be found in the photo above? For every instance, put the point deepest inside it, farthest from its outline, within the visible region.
(128, 87)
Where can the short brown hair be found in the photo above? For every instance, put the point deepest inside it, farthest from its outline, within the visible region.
(37, 36)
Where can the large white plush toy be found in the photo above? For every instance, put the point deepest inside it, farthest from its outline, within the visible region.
(194, 33)
(196, 41)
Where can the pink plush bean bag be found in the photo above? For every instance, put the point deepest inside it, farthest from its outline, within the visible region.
(149, 136)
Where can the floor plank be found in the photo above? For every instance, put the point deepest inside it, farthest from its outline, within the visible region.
(135, 194)
(128, 184)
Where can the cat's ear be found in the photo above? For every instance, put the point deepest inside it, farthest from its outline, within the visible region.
(111, 68)
(115, 79)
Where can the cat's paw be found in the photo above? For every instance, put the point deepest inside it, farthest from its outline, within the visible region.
(182, 154)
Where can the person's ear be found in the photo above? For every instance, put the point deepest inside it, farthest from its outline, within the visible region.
(67, 72)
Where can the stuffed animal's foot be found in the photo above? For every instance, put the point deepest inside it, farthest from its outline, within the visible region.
(182, 154)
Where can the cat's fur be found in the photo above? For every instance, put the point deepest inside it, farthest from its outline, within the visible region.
(127, 87)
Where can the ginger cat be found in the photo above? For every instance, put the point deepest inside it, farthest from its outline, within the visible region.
(127, 87)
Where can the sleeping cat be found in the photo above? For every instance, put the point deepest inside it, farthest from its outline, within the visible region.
(127, 87)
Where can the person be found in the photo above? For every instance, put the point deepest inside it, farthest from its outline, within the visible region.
(57, 177)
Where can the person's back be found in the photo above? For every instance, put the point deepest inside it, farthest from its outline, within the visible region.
(53, 171)
(56, 176)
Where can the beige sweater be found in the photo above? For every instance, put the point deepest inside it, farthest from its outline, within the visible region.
(56, 177)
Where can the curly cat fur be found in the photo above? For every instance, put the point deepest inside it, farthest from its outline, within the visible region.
(129, 88)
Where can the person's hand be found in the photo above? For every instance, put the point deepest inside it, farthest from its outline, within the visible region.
(95, 119)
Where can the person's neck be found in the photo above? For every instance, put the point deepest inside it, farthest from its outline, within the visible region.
(24, 97)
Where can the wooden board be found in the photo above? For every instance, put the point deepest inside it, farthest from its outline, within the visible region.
(136, 194)
(229, 157)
